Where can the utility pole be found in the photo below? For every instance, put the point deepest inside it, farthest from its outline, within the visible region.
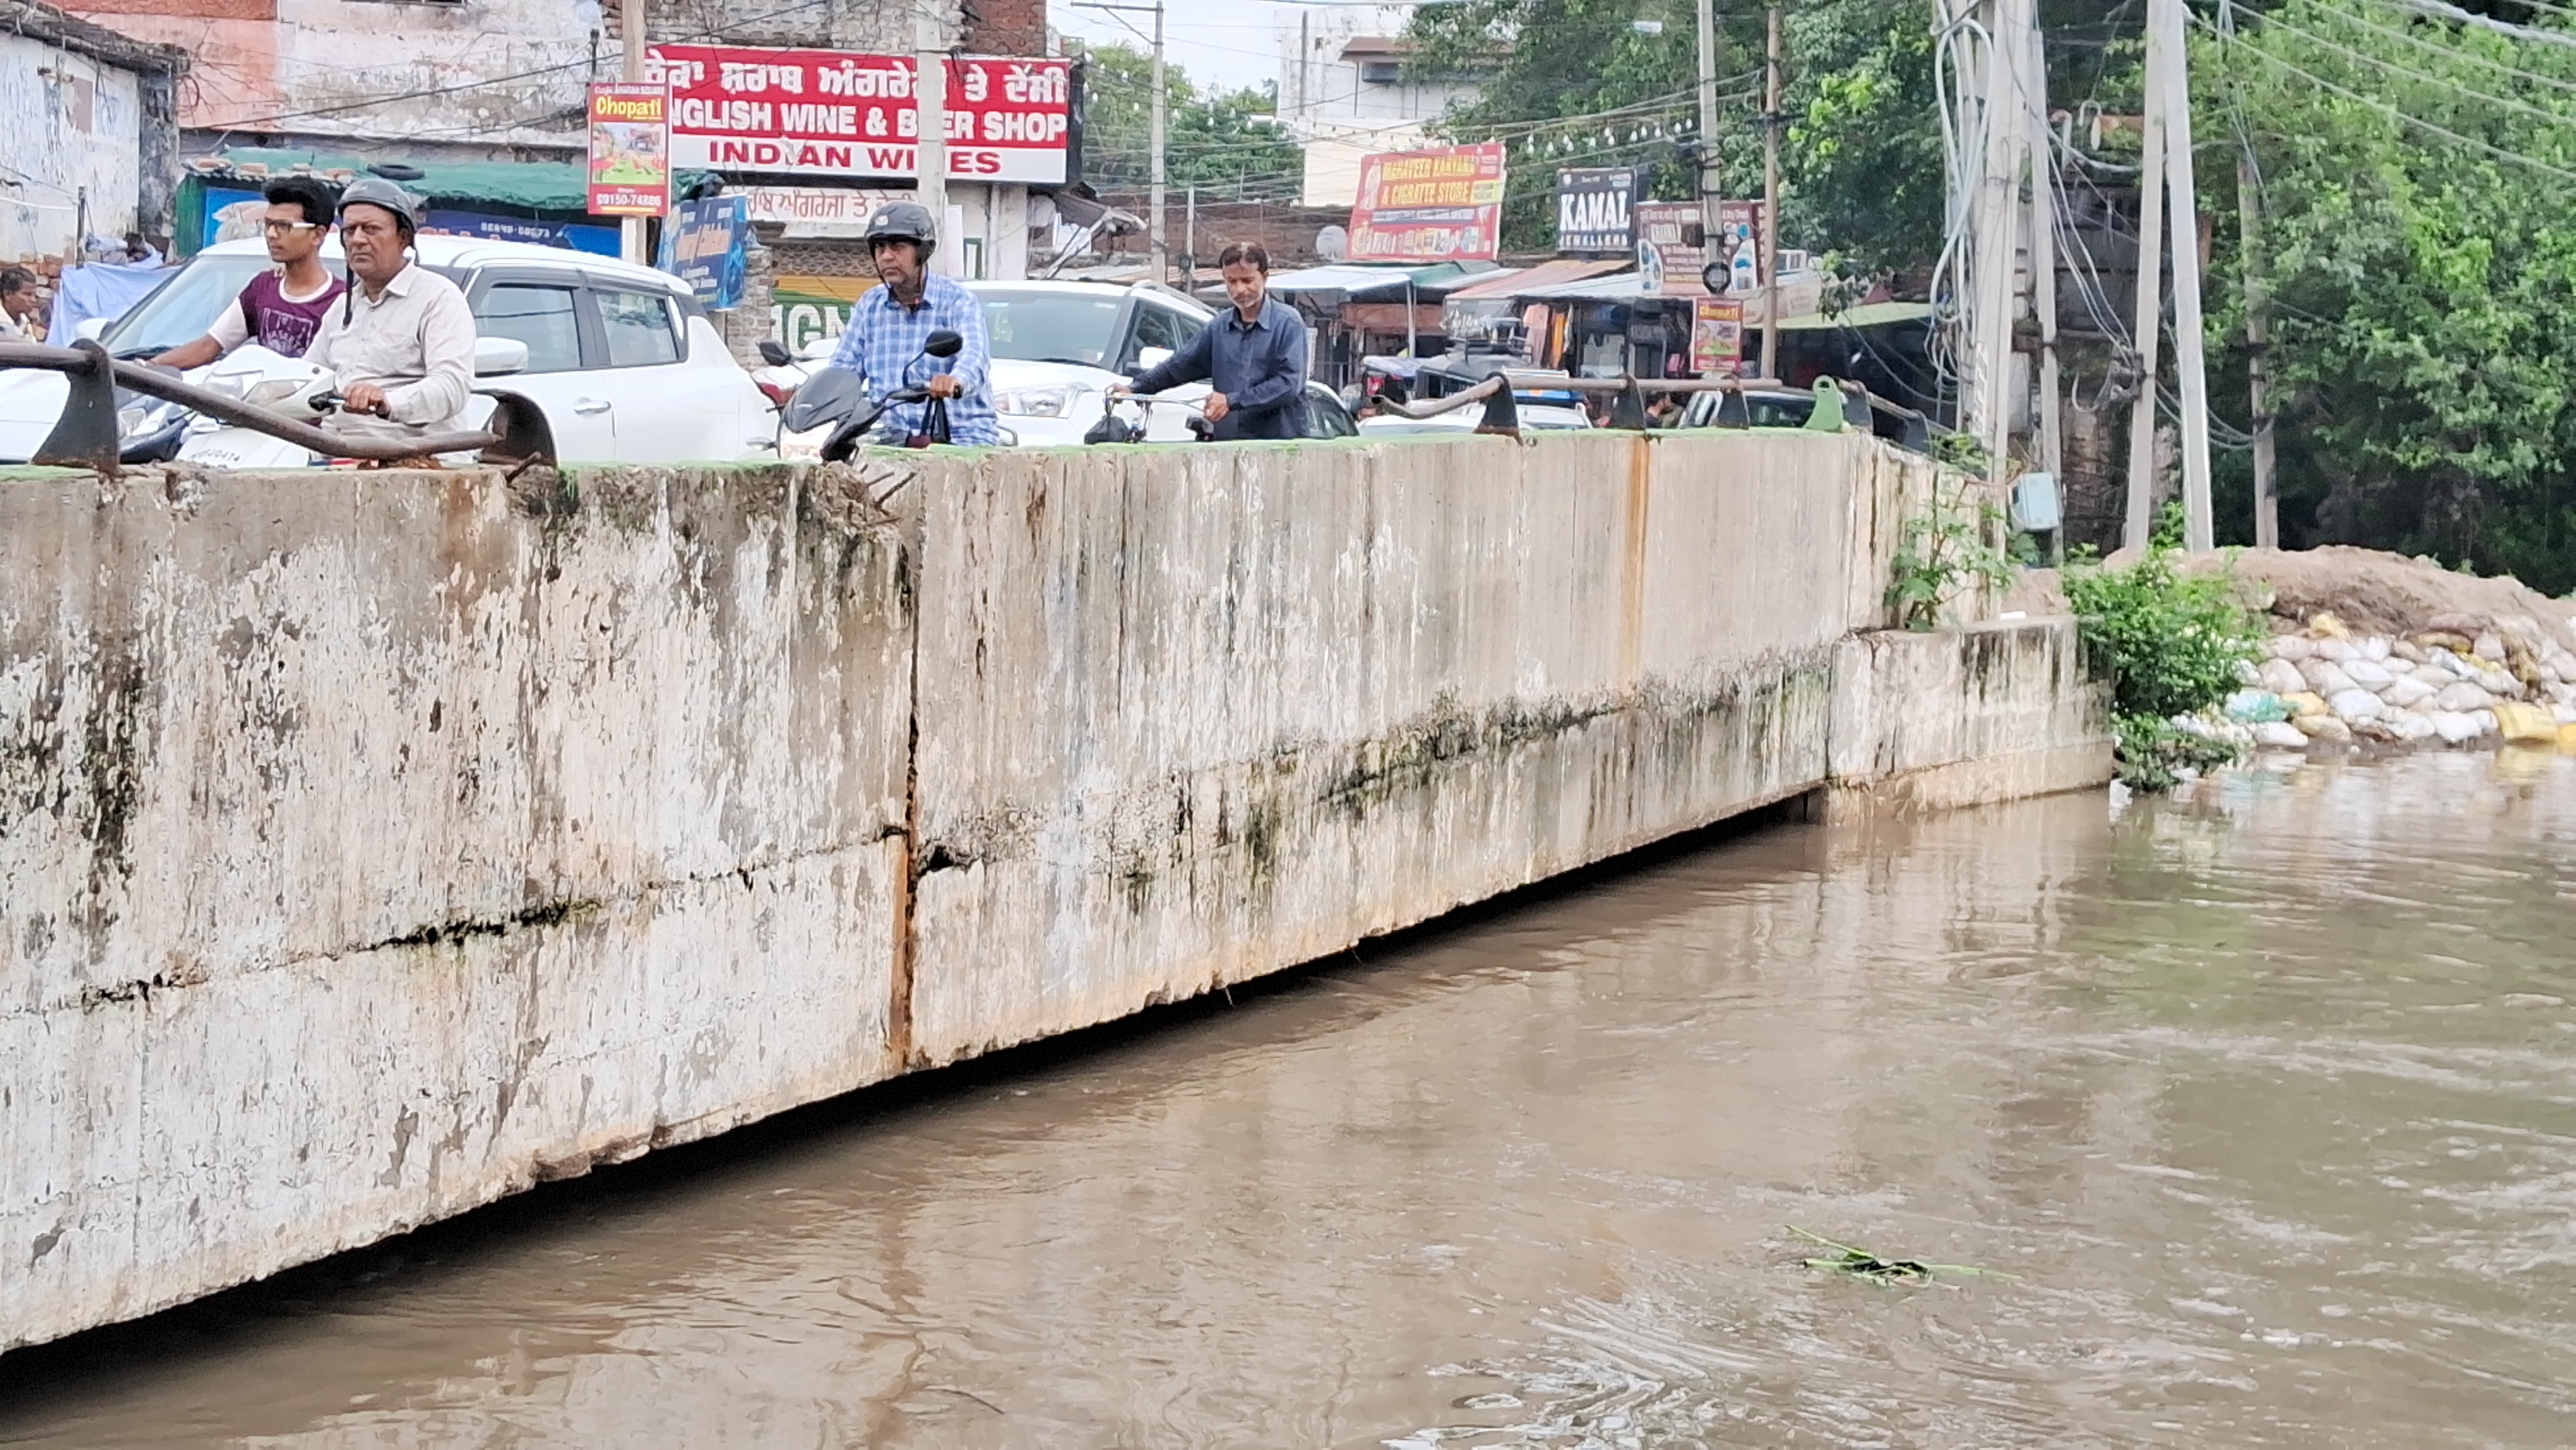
(2150, 318)
(1987, 399)
(1162, 243)
(930, 140)
(630, 33)
(2182, 205)
(1190, 244)
(2043, 270)
(1710, 182)
(2258, 341)
(1771, 193)
(1157, 232)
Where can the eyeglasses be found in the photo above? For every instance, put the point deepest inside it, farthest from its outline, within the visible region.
(288, 229)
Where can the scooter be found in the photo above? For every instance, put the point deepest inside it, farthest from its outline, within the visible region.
(836, 399)
(289, 387)
(1113, 429)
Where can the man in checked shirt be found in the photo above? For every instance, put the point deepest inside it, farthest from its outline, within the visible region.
(888, 326)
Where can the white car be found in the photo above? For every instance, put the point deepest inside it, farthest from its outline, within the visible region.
(1058, 347)
(622, 360)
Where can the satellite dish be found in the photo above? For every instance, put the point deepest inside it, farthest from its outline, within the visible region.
(1333, 244)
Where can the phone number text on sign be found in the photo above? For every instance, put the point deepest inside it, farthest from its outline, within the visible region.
(840, 113)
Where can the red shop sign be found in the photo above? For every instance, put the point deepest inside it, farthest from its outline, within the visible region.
(842, 114)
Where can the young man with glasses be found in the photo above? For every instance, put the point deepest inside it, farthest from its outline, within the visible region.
(282, 307)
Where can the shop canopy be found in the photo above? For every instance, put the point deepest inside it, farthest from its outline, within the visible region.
(1356, 279)
(537, 186)
(1502, 285)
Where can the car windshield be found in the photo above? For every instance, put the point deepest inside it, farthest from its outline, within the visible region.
(1061, 327)
(182, 308)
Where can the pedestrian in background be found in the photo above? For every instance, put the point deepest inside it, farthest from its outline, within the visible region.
(1253, 355)
(19, 306)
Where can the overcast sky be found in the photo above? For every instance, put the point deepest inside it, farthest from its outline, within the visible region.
(1228, 42)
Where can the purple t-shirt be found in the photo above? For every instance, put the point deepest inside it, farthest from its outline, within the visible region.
(282, 324)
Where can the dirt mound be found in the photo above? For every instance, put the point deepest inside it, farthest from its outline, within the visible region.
(2390, 594)
(2373, 593)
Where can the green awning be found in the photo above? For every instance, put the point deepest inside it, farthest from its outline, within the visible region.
(537, 186)
(1868, 314)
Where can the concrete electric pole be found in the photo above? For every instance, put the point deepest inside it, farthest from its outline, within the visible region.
(630, 33)
(2182, 205)
(1771, 194)
(930, 139)
(1710, 182)
(2149, 329)
(1157, 232)
(2043, 265)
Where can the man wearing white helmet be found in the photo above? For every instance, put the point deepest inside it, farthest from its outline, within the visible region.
(401, 342)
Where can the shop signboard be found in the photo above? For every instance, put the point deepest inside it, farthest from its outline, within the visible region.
(1592, 210)
(630, 149)
(1666, 249)
(704, 246)
(1740, 225)
(1440, 205)
(845, 114)
(1717, 336)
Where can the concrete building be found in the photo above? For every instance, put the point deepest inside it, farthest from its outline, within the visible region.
(89, 113)
(1343, 92)
(502, 80)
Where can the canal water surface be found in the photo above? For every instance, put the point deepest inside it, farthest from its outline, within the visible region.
(2265, 1100)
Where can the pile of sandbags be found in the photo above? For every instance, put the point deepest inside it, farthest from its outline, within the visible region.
(2461, 680)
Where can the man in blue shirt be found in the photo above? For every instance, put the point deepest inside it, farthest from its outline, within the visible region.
(1254, 355)
(889, 325)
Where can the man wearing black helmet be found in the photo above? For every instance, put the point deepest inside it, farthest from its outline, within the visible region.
(402, 339)
(890, 324)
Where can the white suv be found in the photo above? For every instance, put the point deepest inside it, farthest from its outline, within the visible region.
(623, 362)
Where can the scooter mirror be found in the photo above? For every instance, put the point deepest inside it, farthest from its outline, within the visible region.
(943, 343)
(775, 353)
(832, 395)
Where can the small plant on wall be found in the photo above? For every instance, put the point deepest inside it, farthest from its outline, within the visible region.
(1947, 553)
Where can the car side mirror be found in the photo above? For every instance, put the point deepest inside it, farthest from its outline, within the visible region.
(90, 329)
(494, 356)
(1152, 357)
(775, 353)
(943, 343)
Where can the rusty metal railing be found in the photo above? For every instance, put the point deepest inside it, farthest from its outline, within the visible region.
(1861, 409)
(87, 436)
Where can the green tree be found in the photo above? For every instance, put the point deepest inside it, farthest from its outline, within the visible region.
(1583, 83)
(1226, 141)
(2420, 241)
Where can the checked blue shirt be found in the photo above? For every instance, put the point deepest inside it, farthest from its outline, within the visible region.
(883, 345)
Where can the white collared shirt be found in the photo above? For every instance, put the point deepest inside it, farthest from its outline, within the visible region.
(420, 329)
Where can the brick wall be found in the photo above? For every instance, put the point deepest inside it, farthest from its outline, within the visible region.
(1006, 27)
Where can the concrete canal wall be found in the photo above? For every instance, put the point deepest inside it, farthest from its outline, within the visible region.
(372, 847)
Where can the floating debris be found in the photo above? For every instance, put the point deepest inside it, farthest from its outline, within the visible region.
(1862, 1264)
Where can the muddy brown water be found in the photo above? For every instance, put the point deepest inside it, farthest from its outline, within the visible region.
(2266, 1098)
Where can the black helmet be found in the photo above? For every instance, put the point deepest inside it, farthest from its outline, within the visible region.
(376, 191)
(904, 221)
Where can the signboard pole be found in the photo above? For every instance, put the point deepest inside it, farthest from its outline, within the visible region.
(630, 32)
(930, 93)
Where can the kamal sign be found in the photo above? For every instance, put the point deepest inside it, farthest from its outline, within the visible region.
(1592, 210)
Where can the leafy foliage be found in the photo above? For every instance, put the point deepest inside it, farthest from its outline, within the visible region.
(1218, 138)
(1947, 552)
(1860, 151)
(2422, 333)
(2171, 644)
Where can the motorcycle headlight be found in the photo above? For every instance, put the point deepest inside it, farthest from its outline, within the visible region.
(129, 419)
(1056, 402)
(275, 390)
